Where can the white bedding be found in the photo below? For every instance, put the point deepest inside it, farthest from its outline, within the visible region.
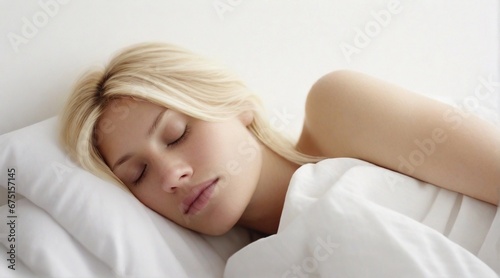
(69, 223)
(349, 218)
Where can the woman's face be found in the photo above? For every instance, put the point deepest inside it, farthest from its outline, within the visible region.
(198, 174)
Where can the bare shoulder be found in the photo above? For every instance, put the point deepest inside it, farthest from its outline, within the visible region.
(350, 114)
(345, 107)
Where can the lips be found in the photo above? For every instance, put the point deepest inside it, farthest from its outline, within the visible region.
(199, 197)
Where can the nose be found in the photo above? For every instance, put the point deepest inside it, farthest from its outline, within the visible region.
(173, 174)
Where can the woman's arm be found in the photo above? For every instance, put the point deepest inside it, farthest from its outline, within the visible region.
(349, 114)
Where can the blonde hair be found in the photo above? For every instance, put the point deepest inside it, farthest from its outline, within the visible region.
(168, 76)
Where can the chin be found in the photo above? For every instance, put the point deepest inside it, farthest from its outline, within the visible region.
(216, 228)
(215, 232)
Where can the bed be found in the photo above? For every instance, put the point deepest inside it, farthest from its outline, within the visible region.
(61, 221)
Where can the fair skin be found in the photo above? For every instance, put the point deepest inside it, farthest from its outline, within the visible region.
(167, 166)
(219, 175)
(353, 115)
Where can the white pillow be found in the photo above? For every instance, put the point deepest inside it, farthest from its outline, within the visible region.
(108, 229)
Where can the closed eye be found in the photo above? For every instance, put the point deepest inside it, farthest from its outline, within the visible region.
(181, 138)
(142, 176)
(177, 141)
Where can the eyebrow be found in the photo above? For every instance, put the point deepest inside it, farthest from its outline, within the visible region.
(153, 127)
(155, 123)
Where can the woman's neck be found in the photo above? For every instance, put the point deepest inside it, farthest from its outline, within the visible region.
(264, 210)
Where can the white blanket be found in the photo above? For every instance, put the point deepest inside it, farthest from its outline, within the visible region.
(349, 218)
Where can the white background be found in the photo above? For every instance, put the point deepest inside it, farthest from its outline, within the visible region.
(438, 48)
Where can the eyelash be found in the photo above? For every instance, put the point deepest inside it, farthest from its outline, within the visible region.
(174, 143)
(141, 177)
(181, 138)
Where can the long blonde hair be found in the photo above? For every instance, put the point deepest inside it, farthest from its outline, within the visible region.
(168, 76)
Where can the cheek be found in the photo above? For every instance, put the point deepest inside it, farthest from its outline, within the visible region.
(220, 146)
(161, 202)
(230, 153)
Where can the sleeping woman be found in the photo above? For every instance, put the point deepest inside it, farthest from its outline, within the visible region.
(191, 141)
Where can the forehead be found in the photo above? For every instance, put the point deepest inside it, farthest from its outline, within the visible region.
(122, 125)
(121, 108)
(124, 114)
